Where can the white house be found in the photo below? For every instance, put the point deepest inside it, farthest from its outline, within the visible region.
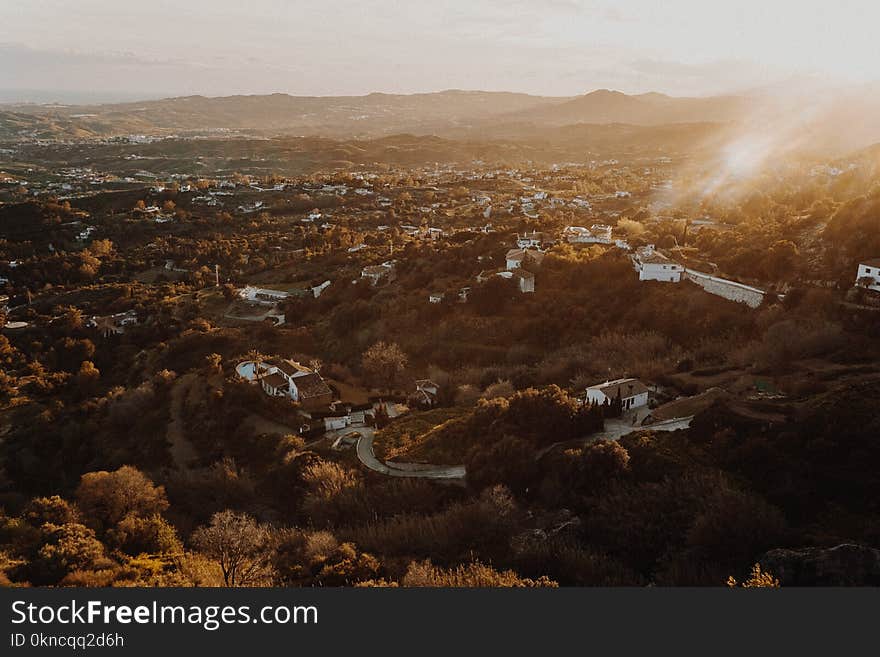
(632, 392)
(576, 235)
(525, 280)
(262, 295)
(601, 233)
(109, 325)
(337, 423)
(868, 275)
(376, 273)
(517, 257)
(426, 392)
(435, 297)
(533, 240)
(596, 234)
(287, 378)
(654, 266)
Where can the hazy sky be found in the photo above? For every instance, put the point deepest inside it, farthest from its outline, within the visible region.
(118, 48)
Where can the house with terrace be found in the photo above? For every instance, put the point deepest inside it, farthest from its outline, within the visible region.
(517, 258)
(868, 275)
(631, 392)
(654, 266)
(376, 273)
(288, 378)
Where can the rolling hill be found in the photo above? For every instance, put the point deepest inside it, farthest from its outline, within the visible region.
(828, 122)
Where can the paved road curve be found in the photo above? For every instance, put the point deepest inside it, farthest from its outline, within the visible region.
(368, 458)
(613, 431)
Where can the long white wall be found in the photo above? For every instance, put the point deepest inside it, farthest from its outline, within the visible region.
(751, 296)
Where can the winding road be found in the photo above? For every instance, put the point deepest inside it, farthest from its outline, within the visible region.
(615, 429)
(417, 470)
(367, 456)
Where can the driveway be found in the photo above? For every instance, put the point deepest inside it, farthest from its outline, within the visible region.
(615, 429)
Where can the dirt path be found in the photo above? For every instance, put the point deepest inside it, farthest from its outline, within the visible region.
(183, 454)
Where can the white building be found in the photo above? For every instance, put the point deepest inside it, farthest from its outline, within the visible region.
(654, 266)
(533, 240)
(596, 234)
(287, 378)
(426, 392)
(632, 392)
(601, 233)
(868, 275)
(318, 289)
(376, 273)
(525, 280)
(109, 325)
(516, 258)
(262, 295)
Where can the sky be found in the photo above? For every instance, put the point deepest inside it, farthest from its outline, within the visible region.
(80, 50)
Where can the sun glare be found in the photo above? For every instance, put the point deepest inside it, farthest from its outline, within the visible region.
(744, 157)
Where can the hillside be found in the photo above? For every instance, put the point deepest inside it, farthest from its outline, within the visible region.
(371, 115)
(824, 122)
(604, 106)
(446, 113)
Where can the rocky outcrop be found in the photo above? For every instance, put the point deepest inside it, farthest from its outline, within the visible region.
(843, 565)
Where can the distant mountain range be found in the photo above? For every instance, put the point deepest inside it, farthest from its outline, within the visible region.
(373, 115)
(853, 121)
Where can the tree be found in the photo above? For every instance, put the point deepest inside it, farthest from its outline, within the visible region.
(66, 548)
(600, 463)
(493, 296)
(758, 579)
(101, 248)
(257, 359)
(71, 318)
(88, 376)
(383, 363)
(105, 498)
(214, 362)
(630, 227)
(780, 259)
(54, 510)
(229, 292)
(136, 535)
(239, 545)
